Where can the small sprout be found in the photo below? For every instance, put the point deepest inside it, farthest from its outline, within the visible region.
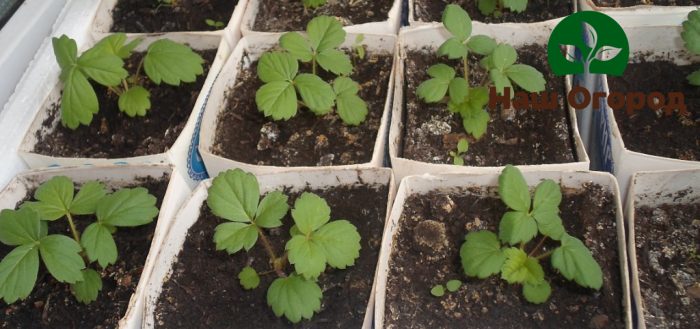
(359, 47)
(316, 242)
(484, 253)
(462, 147)
(691, 37)
(313, 4)
(453, 285)
(496, 7)
(249, 278)
(215, 24)
(66, 258)
(438, 291)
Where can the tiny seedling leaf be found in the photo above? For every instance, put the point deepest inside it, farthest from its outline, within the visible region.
(235, 236)
(690, 32)
(453, 285)
(249, 278)
(474, 118)
(487, 7)
(462, 145)
(537, 293)
(520, 268)
(234, 196)
(61, 255)
(516, 6)
(99, 244)
(694, 78)
(172, 63)
(294, 297)
(127, 208)
(575, 262)
(18, 273)
(86, 291)
(310, 212)
(513, 189)
(481, 254)
(438, 290)
(135, 101)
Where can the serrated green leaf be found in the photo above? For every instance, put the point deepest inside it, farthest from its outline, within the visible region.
(453, 48)
(66, 51)
(345, 85)
(694, 78)
(55, 197)
(547, 195)
(127, 207)
(78, 99)
(351, 108)
(503, 56)
(86, 291)
(340, 242)
(500, 81)
(462, 145)
(172, 63)
(517, 6)
(519, 268)
(325, 33)
(297, 46)
(277, 66)
(457, 21)
(527, 77)
(106, 69)
(335, 61)
(249, 278)
(459, 90)
(85, 202)
(317, 94)
(271, 210)
(513, 189)
(438, 290)
(294, 297)
(435, 89)
(481, 44)
(61, 255)
(18, 273)
(314, 3)
(20, 227)
(575, 262)
(453, 285)
(690, 32)
(537, 293)
(548, 222)
(234, 236)
(457, 160)
(114, 44)
(481, 254)
(307, 256)
(135, 101)
(310, 212)
(487, 7)
(234, 195)
(277, 99)
(517, 226)
(441, 71)
(99, 244)
(474, 119)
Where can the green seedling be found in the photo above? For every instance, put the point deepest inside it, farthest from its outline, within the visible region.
(215, 24)
(496, 7)
(484, 253)
(498, 60)
(165, 61)
(313, 4)
(64, 257)
(462, 147)
(691, 37)
(359, 47)
(279, 70)
(451, 286)
(315, 241)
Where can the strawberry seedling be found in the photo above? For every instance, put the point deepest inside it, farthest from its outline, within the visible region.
(691, 37)
(462, 147)
(496, 7)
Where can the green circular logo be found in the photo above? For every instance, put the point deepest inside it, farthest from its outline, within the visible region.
(600, 45)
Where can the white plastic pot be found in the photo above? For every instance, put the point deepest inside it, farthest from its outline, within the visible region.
(115, 177)
(646, 43)
(414, 22)
(252, 48)
(430, 37)
(189, 214)
(653, 189)
(643, 14)
(459, 183)
(389, 26)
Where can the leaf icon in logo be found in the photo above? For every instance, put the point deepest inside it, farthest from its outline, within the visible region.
(569, 56)
(590, 35)
(606, 53)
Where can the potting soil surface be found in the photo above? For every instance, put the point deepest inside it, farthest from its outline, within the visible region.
(147, 16)
(630, 3)
(537, 11)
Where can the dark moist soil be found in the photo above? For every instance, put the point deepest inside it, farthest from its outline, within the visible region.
(515, 137)
(630, 3)
(650, 132)
(113, 134)
(426, 252)
(668, 259)
(290, 15)
(52, 305)
(537, 11)
(244, 134)
(219, 301)
(147, 16)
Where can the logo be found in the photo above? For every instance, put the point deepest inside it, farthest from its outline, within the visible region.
(600, 45)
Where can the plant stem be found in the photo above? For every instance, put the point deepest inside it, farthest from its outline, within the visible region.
(465, 62)
(73, 230)
(115, 90)
(313, 65)
(138, 68)
(538, 246)
(126, 85)
(276, 263)
(545, 255)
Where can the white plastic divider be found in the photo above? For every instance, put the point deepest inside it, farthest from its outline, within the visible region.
(250, 49)
(414, 22)
(297, 181)
(642, 14)
(459, 183)
(647, 43)
(652, 189)
(431, 36)
(114, 177)
(389, 26)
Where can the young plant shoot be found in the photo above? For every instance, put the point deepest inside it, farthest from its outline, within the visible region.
(279, 70)
(315, 243)
(499, 61)
(484, 253)
(691, 37)
(462, 147)
(65, 258)
(496, 7)
(313, 4)
(165, 61)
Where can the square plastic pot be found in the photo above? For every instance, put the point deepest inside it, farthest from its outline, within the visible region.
(642, 14)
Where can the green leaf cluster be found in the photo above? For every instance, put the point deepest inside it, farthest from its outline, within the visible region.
(496, 7)
(691, 37)
(286, 89)
(499, 60)
(65, 258)
(315, 243)
(484, 253)
(462, 147)
(165, 61)
(313, 3)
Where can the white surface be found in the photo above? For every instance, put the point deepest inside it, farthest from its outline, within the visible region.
(432, 36)
(460, 182)
(189, 214)
(252, 48)
(642, 15)
(413, 22)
